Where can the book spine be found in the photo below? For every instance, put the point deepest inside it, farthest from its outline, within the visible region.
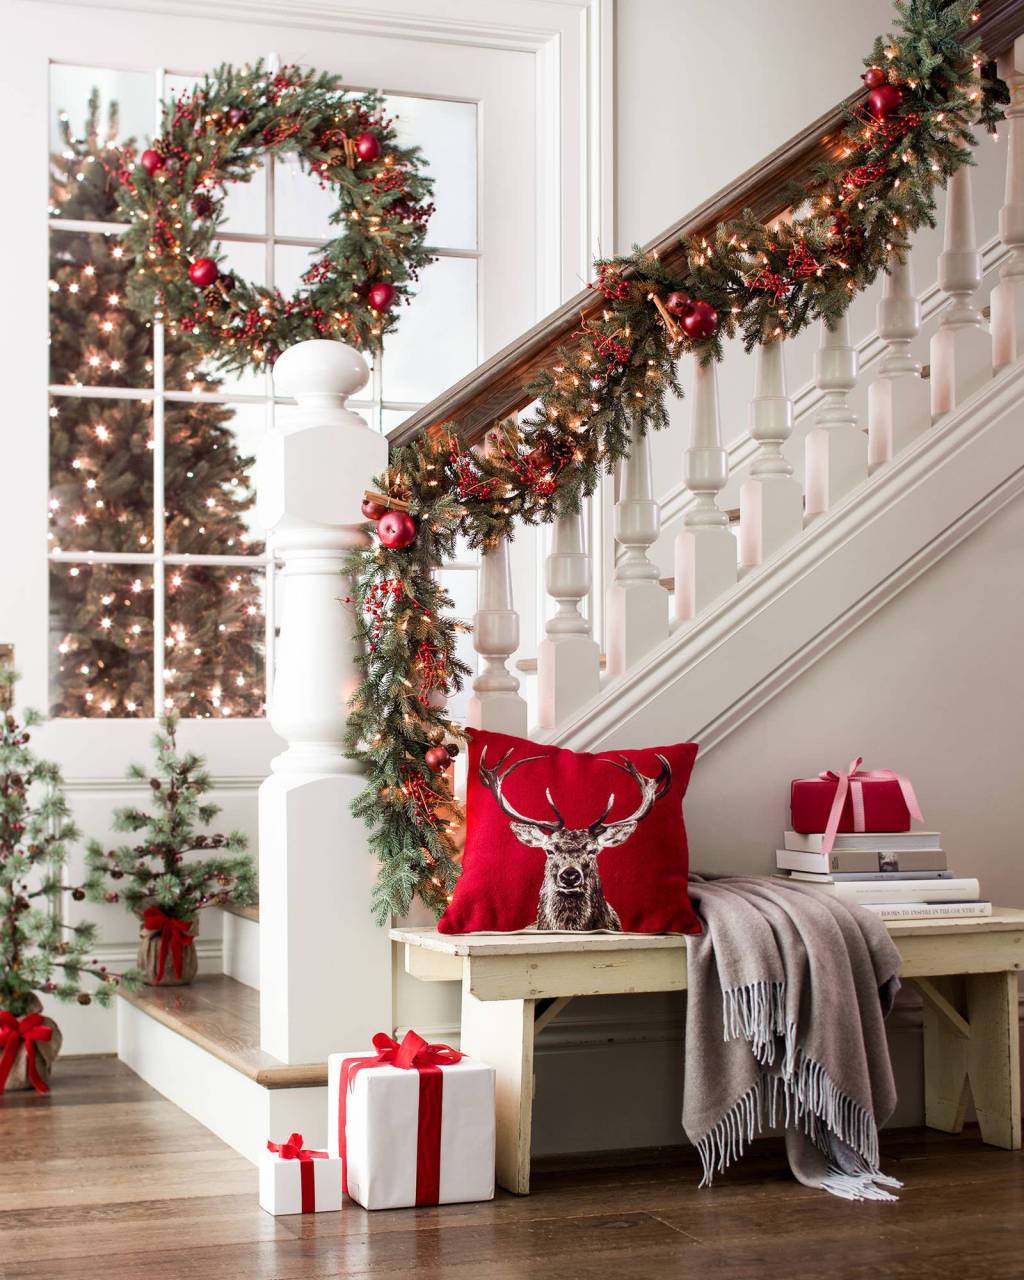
(929, 910)
(909, 891)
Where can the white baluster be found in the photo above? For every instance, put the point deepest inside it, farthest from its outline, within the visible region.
(568, 659)
(961, 350)
(496, 703)
(771, 499)
(836, 450)
(637, 602)
(1008, 295)
(899, 403)
(315, 872)
(706, 548)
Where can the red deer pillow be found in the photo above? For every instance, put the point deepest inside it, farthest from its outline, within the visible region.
(565, 840)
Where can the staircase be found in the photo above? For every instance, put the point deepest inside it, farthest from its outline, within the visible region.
(759, 592)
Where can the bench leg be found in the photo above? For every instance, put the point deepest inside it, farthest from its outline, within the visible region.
(972, 1050)
(500, 1033)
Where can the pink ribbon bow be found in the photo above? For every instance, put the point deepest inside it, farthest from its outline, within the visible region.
(853, 782)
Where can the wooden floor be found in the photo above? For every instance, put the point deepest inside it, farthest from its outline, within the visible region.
(104, 1180)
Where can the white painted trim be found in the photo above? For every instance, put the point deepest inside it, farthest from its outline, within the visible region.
(792, 610)
(869, 350)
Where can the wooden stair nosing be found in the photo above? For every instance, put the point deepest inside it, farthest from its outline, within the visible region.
(222, 1016)
(251, 912)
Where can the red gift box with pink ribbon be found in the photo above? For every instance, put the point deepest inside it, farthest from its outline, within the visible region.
(857, 800)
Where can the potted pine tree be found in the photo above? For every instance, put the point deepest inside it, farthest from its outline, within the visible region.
(164, 890)
(39, 952)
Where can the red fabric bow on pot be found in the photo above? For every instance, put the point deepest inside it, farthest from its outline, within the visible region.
(175, 936)
(16, 1032)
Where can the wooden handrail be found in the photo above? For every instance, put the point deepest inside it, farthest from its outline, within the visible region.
(495, 388)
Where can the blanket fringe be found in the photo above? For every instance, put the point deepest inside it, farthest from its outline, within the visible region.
(808, 1095)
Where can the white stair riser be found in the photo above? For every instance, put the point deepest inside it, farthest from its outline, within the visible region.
(242, 949)
(239, 1111)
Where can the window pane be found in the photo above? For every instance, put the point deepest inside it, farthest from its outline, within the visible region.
(94, 339)
(245, 203)
(101, 475)
(392, 418)
(92, 112)
(208, 494)
(214, 641)
(290, 263)
(446, 131)
(302, 204)
(101, 640)
(436, 342)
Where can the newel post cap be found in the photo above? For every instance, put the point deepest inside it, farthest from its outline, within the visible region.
(320, 369)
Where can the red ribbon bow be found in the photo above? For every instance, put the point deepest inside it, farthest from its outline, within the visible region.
(294, 1150)
(175, 935)
(413, 1054)
(13, 1034)
(852, 781)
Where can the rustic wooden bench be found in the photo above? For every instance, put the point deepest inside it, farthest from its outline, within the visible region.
(513, 985)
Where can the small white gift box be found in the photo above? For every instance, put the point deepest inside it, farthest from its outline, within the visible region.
(414, 1124)
(294, 1180)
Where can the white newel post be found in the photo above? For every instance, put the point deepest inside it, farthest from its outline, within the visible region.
(496, 703)
(568, 658)
(325, 968)
(1008, 295)
(637, 603)
(771, 500)
(836, 449)
(705, 550)
(899, 402)
(961, 349)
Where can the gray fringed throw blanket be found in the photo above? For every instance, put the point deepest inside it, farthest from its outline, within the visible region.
(788, 989)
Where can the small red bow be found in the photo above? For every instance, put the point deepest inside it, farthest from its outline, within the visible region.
(414, 1052)
(13, 1034)
(175, 935)
(294, 1150)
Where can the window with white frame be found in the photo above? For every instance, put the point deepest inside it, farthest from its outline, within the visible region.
(161, 584)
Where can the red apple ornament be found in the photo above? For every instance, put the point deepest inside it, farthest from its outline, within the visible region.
(152, 161)
(884, 100)
(203, 272)
(438, 759)
(679, 304)
(873, 77)
(700, 321)
(367, 146)
(396, 530)
(381, 295)
(372, 510)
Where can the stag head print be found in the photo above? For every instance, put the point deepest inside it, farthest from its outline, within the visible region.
(571, 893)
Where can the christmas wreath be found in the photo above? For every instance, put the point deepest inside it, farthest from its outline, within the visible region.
(173, 198)
(928, 89)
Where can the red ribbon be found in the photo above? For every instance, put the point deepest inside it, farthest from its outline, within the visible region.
(853, 782)
(294, 1150)
(175, 935)
(13, 1034)
(414, 1053)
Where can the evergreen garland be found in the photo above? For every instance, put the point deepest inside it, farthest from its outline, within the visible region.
(763, 282)
(154, 871)
(39, 953)
(221, 132)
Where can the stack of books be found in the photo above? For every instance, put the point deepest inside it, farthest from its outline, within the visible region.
(902, 875)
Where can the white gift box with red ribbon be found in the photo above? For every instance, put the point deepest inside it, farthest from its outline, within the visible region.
(413, 1123)
(294, 1179)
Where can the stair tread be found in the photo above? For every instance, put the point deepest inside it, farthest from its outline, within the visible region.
(222, 1016)
(251, 912)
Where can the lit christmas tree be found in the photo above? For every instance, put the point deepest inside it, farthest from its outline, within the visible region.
(101, 477)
